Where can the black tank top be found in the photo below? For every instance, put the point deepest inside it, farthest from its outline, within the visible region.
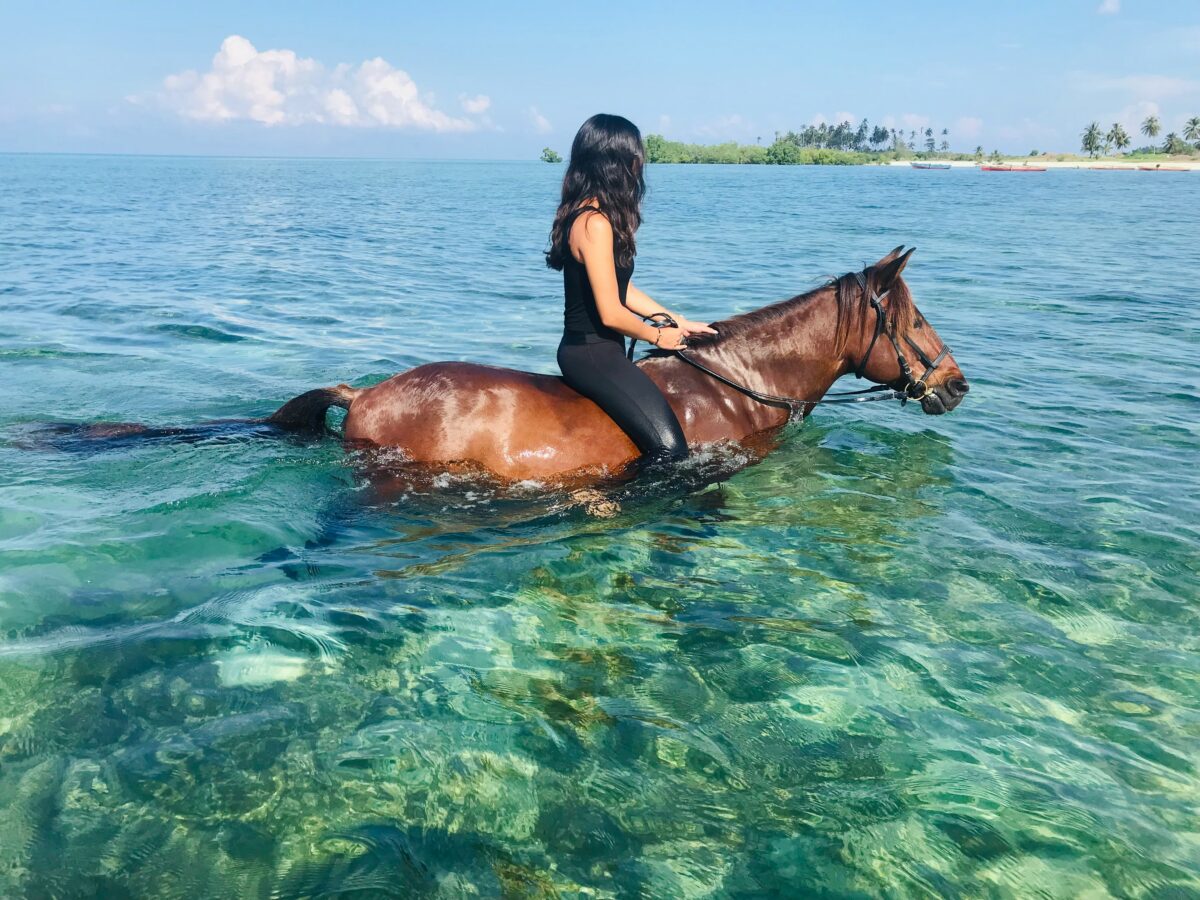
(580, 314)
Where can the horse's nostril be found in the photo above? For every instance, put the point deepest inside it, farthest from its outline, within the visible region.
(957, 386)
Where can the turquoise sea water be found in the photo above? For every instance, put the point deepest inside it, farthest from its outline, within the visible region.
(904, 656)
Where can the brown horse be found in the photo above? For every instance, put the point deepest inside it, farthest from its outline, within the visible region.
(518, 425)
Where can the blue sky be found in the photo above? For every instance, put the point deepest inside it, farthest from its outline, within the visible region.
(499, 81)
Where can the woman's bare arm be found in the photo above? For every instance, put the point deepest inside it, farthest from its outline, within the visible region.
(593, 242)
(645, 305)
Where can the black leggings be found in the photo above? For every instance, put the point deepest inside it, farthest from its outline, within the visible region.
(598, 369)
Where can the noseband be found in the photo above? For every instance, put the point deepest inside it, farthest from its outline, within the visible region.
(913, 389)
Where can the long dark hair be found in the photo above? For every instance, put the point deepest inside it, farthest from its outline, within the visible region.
(607, 160)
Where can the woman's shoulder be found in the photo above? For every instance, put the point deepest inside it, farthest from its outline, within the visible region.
(591, 224)
(587, 213)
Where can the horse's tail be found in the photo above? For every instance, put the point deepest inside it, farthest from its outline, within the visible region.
(307, 412)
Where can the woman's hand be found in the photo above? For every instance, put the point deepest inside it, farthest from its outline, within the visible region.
(670, 339)
(689, 328)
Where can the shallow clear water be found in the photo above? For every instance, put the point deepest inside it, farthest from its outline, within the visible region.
(904, 656)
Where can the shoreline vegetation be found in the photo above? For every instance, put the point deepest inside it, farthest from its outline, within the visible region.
(792, 149)
(846, 144)
(813, 145)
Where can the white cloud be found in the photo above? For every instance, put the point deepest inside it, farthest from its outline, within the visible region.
(1143, 86)
(967, 127)
(1131, 118)
(1027, 130)
(1157, 85)
(475, 105)
(906, 122)
(722, 127)
(1187, 37)
(277, 87)
(838, 118)
(540, 123)
(1109, 7)
(664, 123)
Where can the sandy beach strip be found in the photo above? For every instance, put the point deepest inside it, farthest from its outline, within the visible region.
(1103, 165)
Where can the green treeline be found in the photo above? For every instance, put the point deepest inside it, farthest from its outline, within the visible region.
(1097, 142)
(660, 150)
(843, 144)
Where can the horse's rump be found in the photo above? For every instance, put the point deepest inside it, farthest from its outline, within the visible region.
(511, 422)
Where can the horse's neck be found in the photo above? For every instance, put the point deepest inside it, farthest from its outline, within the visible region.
(792, 354)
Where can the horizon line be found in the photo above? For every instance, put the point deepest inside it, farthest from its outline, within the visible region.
(464, 159)
(266, 156)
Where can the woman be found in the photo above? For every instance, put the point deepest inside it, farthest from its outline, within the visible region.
(592, 242)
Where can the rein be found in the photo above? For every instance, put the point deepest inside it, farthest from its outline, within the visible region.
(914, 388)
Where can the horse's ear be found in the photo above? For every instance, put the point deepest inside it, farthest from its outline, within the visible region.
(890, 272)
(891, 256)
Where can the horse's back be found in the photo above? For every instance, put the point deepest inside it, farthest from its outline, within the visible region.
(517, 424)
(437, 379)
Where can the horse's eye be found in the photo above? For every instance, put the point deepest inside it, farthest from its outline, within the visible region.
(919, 324)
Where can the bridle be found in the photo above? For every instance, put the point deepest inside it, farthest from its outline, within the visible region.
(913, 388)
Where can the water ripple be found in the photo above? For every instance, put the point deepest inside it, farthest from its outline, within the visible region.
(901, 657)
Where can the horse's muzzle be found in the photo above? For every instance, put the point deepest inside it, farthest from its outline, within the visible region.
(944, 397)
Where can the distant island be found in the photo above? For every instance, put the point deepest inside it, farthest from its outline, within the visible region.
(823, 145)
(845, 144)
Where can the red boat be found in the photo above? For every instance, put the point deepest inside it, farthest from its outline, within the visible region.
(1164, 169)
(1012, 168)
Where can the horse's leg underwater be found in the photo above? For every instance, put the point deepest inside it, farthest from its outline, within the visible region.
(303, 414)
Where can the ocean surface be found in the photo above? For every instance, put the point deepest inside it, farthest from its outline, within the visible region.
(904, 656)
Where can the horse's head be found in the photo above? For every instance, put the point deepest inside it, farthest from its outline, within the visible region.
(888, 341)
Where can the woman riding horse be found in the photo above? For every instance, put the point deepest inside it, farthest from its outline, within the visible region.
(592, 243)
(740, 383)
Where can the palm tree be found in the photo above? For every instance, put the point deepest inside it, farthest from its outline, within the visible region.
(1117, 137)
(1191, 130)
(862, 135)
(1174, 145)
(1151, 127)
(1093, 138)
(979, 153)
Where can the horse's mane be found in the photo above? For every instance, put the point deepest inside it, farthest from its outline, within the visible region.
(853, 311)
